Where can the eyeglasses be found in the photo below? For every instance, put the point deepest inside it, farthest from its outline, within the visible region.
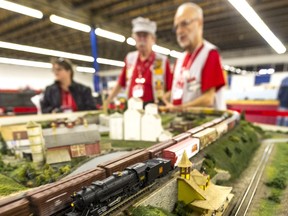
(184, 24)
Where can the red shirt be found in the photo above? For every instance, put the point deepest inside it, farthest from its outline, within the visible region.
(68, 101)
(147, 75)
(212, 74)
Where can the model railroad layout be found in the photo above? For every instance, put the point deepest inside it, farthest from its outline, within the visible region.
(55, 198)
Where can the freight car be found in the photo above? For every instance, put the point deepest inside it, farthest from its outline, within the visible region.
(175, 152)
(232, 120)
(57, 196)
(102, 195)
(122, 163)
(208, 124)
(206, 137)
(221, 129)
(181, 137)
(114, 160)
(156, 150)
(195, 130)
(16, 206)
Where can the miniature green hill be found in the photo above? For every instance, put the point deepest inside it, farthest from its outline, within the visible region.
(234, 150)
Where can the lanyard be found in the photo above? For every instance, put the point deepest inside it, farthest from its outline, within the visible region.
(191, 59)
(67, 102)
(144, 67)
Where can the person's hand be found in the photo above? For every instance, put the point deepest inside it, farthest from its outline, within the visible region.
(173, 108)
(169, 106)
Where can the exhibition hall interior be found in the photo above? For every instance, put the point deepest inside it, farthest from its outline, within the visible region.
(143, 108)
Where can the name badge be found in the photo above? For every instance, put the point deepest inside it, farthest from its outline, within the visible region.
(138, 91)
(177, 94)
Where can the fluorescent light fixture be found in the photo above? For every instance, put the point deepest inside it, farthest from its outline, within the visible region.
(232, 69)
(131, 41)
(266, 71)
(160, 49)
(21, 9)
(43, 51)
(175, 54)
(110, 62)
(257, 23)
(110, 35)
(85, 69)
(238, 70)
(226, 67)
(25, 63)
(40, 64)
(70, 23)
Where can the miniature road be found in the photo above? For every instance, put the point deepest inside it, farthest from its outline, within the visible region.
(97, 160)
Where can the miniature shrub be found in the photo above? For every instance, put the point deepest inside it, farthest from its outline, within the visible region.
(24, 173)
(278, 182)
(237, 150)
(149, 211)
(210, 157)
(228, 152)
(64, 170)
(234, 138)
(181, 209)
(208, 163)
(274, 197)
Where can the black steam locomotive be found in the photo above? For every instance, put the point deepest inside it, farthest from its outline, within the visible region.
(102, 195)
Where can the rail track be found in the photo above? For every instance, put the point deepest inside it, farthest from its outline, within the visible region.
(242, 206)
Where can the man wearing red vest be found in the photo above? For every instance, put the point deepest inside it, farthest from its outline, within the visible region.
(198, 75)
(146, 74)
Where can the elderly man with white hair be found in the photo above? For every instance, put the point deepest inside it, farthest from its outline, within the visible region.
(146, 74)
(198, 75)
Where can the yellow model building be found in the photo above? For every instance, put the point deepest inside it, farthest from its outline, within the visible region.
(197, 191)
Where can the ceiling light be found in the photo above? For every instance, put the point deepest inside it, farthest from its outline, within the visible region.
(226, 67)
(110, 62)
(21, 9)
(70, 23)
(43, 51)
(175, 54)
(131, 41)
(40, 64)
(238, 70)
(257, 23)
(110, 35)
(85, 69)
(160, 49)
(266, 71)
(25, 63)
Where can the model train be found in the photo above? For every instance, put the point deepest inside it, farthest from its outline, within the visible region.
(53, 198)
(102, 195)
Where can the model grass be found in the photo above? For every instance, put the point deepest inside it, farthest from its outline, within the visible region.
(233, 151)
(277, 177)
(9, 186)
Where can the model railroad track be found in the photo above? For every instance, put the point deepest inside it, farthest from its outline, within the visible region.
(242, 206)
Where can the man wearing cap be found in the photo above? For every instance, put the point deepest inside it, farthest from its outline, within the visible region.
(146, 74)
(198, 75)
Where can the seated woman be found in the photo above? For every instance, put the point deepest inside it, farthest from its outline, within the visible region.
(66, 95)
